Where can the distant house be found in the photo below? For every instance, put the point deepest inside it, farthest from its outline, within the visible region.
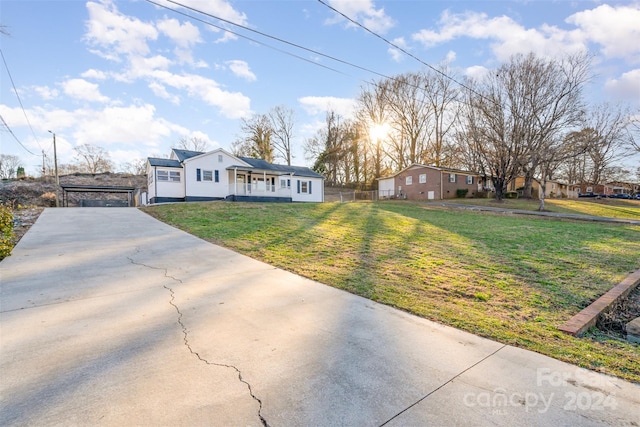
(609, 188)
(217, 175)
(422, 182)
(553, 188)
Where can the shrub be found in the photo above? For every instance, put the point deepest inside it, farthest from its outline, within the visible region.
(49, 199)
(482, 195)
(461, 193)
(511, 195)
(6, 232)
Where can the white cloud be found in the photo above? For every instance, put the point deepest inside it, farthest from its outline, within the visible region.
(477, 72)
(626, 87)
(83, 90)
(233, 105)
(616, 29)
(241, 69)
(395, 53)
(183, 35)
(508, 36)
(451, 56)
(113, 33)
(45, 92)
(362, 11)
(314, 105)
(94, 74)
(161, 91)
(219, 8)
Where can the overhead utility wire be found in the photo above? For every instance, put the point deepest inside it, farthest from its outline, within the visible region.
(21, 106)
(14, 135)
(403, 50)
(240, 35)
(277, 39)
(271, 37)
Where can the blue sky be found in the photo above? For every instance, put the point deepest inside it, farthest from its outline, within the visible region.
(134, 78)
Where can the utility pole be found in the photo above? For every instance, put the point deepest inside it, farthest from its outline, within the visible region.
(55, 165)
(44, 169)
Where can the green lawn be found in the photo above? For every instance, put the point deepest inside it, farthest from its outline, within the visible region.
(611, 208)
(512, 279)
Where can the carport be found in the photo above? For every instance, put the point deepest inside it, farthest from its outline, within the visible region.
(67, 188)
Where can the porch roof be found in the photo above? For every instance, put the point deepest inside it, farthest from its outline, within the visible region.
(262, 166)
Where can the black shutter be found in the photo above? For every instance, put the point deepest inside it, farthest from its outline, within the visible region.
(298, 186)
(198, 177)
(309, 187)
(217, 176)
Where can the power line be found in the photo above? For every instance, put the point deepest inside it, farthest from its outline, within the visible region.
(14, 135)
(315, 52)
(21, 106)
(195, 18)
(394, 45)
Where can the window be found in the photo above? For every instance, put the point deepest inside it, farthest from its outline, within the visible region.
(207, 176)
(408, 180)
(452, 177)
(217, 176)
(219, 158)
(285, 183)
(469, 179)
(589, 189)
(304, 187)
(423, 178)
(173, 176)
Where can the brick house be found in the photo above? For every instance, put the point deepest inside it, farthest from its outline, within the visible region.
(422, 182)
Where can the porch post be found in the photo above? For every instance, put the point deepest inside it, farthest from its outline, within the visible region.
(264, 177)
(235, 181)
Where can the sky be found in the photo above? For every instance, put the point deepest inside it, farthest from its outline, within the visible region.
(134, 78)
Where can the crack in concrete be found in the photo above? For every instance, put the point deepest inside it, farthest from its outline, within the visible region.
(441, 385)
(195, 353)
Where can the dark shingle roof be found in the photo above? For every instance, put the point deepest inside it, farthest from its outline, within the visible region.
(167, 163)
(284, 169)
(183, 155)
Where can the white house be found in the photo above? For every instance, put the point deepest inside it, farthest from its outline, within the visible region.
(216, 175)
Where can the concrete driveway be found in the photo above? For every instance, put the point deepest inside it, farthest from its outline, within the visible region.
(109, 317)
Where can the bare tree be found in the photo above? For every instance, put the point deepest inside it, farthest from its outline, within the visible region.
(256, 140)
(194, 143)
(372, 114)
(633, 128)
(517, 115)
(9, 166)
(442, 96)
(327, 148)
(137, 166)
(93, 159)
(608, 138)
(282, 121)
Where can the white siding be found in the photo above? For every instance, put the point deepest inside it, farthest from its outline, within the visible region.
(386, 187)
(210, 162)
(167, 188)
(317, 189)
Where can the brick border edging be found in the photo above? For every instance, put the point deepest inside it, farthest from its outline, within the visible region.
(588, 317)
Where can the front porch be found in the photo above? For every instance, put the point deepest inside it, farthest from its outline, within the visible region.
(262, 186)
